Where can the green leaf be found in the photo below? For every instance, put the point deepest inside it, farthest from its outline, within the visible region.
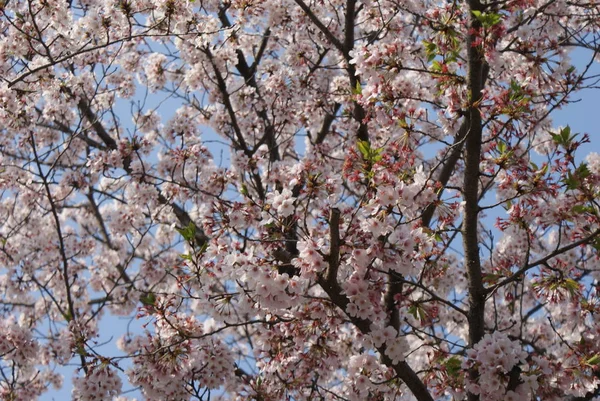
(402, 123)
(581, 209)
(430, 50)
(501, 147)
(80, 350)
(487, 19)
(571, 181)
(365, 148)
(453, 366)
(564, 137)
(369, 154)
(188, 233)
(583, 171)
(574, 180)
(514, 86)
(148, 299)
(492, 278)
(204, 248)
(572, 286)
(494, 19)
(593, 361)
(358, 89)
(417, 312)
(413, 311)
(270, 225)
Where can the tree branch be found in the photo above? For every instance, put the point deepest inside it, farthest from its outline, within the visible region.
(315, 20)
(334, 241)
(476, 310)
(543, 260)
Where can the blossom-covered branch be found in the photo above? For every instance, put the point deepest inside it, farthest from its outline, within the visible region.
(290, 200)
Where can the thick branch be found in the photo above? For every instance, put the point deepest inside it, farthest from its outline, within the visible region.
(448, 168)
(327, 121)
(402, 369)
(249, 74)
(315, 20)
(453, 156)
(476, 309)
(241, 142)
(394, 287)
(182, 216)
(358, 113)
(96, 124)
(329, 283)
(349, 26)
(334, 240)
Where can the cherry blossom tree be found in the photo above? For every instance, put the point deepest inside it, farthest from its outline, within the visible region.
(333, 243)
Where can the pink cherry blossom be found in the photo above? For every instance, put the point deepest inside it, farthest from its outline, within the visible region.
(294, 200)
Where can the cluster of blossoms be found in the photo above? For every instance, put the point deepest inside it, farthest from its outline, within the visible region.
(155, 71)
(494, 357)
(289, 200)
(101, 382)
(22, 353)
(282, 202)
(177, 353)
(395, 345)
(16, 342)
(363, 372)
